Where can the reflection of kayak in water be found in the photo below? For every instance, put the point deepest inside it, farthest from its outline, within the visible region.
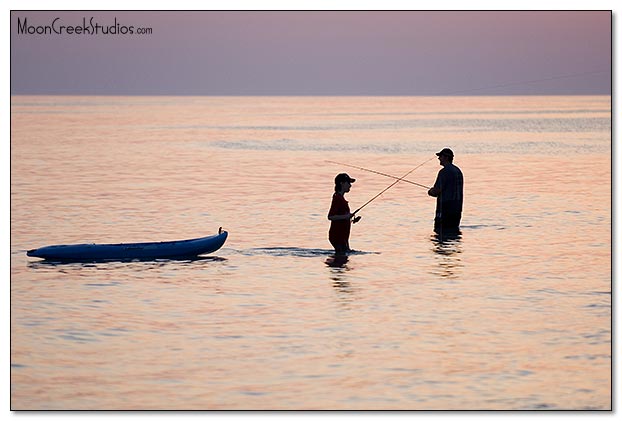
(128, 251)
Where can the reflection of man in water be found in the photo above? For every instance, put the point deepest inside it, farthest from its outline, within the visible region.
(448, 192)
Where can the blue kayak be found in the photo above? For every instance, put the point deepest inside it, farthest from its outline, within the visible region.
(130, 251)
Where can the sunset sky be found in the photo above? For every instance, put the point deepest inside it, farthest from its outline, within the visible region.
(316, 53)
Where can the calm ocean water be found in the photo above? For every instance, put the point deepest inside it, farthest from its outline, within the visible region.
(515, 314)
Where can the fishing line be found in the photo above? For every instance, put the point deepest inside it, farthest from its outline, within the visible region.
(392, 184)
(526, 82)
(379, 173)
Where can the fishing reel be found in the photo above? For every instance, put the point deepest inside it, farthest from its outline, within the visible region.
(356, 219)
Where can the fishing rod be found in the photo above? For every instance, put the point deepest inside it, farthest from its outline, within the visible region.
(525, 82)
(392, 184)
(379, 173)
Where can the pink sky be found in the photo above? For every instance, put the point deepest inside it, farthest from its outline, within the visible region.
(317, 53)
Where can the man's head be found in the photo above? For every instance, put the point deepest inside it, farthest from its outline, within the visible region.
(446, 156)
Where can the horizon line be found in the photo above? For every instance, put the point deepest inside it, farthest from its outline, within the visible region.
(309, 95)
